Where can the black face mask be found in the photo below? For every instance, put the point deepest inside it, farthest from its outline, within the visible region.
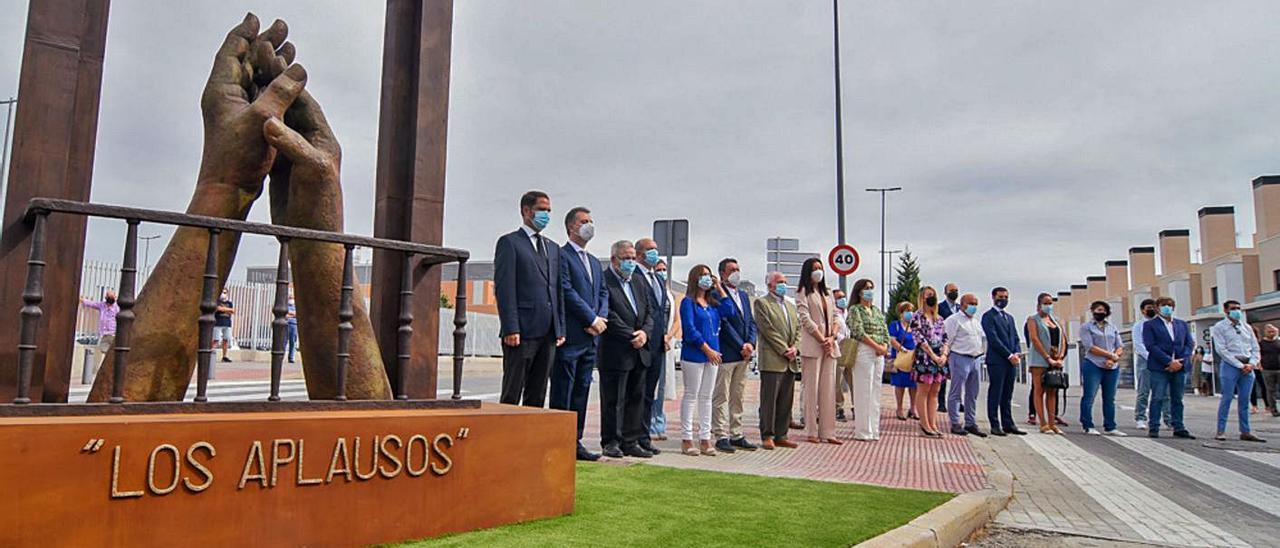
(953, 295)
(111, 300)
(931, 300)
(1099, 316)
(1149, 313)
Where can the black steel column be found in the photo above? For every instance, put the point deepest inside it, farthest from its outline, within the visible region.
(125, 298)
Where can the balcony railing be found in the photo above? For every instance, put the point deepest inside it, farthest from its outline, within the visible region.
(415, 256)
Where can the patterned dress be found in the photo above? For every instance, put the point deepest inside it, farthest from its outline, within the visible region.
(934, 334)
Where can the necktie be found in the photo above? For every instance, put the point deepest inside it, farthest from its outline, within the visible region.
(542, 249)
(586, 264)
(657, 287)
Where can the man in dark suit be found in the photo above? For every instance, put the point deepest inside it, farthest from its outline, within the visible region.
(737, 344)
(660, 308)
(945, 309)
(526, 282)
(586, 306)
(1169, 345)
(624, 357)
(1003, 357)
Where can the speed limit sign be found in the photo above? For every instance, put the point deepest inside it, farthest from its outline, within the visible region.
(843, 259)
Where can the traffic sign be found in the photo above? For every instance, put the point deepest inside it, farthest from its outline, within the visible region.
(843, 259)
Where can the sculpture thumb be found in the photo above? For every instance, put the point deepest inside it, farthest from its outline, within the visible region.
(289, 142)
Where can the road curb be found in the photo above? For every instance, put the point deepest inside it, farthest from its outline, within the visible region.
(955, 521)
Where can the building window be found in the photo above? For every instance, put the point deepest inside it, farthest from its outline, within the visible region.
(1275, 277)
(1213, 295)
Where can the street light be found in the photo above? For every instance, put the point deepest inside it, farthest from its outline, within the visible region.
(835, 17)
(146, 255)
(4, 151)
(883, 192)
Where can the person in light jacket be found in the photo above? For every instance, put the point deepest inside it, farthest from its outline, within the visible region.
(818, 353)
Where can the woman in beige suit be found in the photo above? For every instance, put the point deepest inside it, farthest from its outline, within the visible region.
(818, 353)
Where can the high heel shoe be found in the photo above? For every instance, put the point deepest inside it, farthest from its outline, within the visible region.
(707, 449)
(686, 447)
(834, 441)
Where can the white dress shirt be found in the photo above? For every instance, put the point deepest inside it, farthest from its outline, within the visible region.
(1233, 341)
(582, 255)
(965, 334)
(532, 234)
(1135, 333)
(842, 318)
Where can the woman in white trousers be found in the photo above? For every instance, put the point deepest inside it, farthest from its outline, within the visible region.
(818, 353)
(700, 313)
(871, 334)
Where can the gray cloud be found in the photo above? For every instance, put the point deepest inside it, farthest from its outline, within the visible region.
(1033, 140)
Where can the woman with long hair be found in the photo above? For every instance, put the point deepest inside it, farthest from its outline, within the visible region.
(818, 352)
(700, 313)
(930, 369)
(868, 329)
(1048, 350)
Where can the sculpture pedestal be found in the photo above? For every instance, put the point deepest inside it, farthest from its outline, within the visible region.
(317, 478)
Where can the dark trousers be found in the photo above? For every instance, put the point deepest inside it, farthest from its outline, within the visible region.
(777, 390)
(652, 374)
(942, 397)
(622, 407)
(525, 369)
(1000, 379)
(1260, 392)
(571, 379)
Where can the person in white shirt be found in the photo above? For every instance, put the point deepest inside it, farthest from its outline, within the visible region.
(1142, 377)
(968, 345)
(848, 349)
(1238, 349)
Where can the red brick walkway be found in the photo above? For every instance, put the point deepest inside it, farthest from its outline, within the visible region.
(901, 458)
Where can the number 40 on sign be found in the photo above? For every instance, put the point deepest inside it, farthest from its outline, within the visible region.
(843, 259)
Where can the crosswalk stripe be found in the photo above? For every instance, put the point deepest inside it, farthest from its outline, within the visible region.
(1128, 499)
(1269, 459)
(1219, 478)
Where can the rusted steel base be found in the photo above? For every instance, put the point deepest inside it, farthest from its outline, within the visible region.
(324, 478)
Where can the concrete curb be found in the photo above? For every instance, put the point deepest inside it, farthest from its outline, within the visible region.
(955, 521)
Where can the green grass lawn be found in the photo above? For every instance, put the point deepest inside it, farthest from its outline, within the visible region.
(655, 506)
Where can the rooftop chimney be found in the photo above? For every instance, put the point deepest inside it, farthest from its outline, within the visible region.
(1217, 232)
(1266, 206)
(1117, 279)
(1175, 251)
(1096, 289)
(1142, 266)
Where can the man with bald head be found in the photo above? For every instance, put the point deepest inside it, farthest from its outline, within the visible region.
(968, 344)
(660, 305)
(779, 336)
(945, 309)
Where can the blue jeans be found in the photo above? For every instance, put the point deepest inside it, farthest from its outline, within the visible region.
(1166, 386)
(571, 379)
(1142, 383)
(1235, 385)
(658, 415)
(965, 375)
(1093, 378)
(291, 335)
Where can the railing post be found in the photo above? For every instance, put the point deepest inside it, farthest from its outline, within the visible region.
(86, 372)
(279, 322)
(459, 328)
(345, 313)
(32, 296)
(405, 332)
(124, 318)
(208, 304)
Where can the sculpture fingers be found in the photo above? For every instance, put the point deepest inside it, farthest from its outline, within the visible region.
(293, 145)
(276, 98)
(229, 83)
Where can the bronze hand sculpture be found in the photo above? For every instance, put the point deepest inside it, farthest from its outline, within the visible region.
(258, 119)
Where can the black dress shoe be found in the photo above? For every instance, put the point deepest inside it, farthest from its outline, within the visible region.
(612, 451)
(637, 452)
(1153, 434)
(586, 455)
(1247, 436)
(975, 431)
(1015, 431)
(958, 431)
(724, 446)
(648, 446)
(1000, 433)
(743, 444)
(840, 415)
(1184, 435)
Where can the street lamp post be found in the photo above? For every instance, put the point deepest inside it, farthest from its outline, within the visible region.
(146, 255)
(835, 18)
(883, 192)
(892, 253)
(4, 151)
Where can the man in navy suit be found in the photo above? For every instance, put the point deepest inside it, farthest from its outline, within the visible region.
(586, 307)
(660, 307)
(737, 344)
(526, 282)
(1169, 345)
(1003, 357)
(624, 357)
(945, 309)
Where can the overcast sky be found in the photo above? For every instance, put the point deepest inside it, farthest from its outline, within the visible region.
(1033, 140)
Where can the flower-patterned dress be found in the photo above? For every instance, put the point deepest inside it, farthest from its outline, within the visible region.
(930, 332)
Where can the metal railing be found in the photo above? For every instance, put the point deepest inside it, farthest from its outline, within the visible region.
(415, 255)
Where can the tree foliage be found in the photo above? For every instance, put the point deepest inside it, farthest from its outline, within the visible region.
(907, 287)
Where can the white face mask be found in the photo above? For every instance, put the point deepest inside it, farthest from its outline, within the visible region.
(587, 231)
(816, 276)
(734, 279)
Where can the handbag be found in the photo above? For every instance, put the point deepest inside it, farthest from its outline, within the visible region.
(1055, 379)
(904, 361)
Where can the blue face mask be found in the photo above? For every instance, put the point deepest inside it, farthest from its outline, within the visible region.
(842, 302)
(908, 316)
(868, 295)
(541, 219)
(1235, 315)
(1166, 311)
(971, 310)
(1046, 308)
(780, 290)
(662, 276)
(704, 282)
(651, 257)
(627, 266)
